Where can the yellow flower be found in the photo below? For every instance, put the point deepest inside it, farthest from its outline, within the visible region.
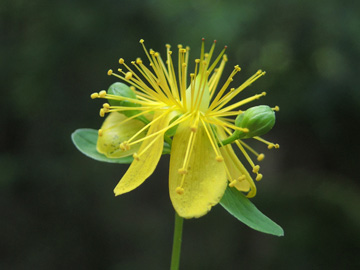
(203, 116)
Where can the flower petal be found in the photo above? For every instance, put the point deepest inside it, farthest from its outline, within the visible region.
(205, 182)
(115, 132)
(141, 169)
(237, 170)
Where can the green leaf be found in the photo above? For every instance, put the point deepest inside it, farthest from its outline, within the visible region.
(236, 203)
(85, 140)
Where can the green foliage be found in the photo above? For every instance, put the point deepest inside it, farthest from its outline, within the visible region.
(122, 90)
(240, 207)
(85, 140)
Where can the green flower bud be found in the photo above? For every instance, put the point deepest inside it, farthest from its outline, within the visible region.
(122, 90)
(259, 120)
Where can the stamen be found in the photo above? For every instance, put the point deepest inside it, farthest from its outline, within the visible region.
(100, 132)
(182, 171)
(269, 144)
(219, 159)
(102, 112)
(259, 156)
(128, 76)
(179, 190)
(102, 93)
(109, 72)
(276, 108)
(136, 157)
(124, 146)
(94, 95)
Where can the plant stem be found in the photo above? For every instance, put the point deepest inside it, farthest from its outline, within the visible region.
(175, 257)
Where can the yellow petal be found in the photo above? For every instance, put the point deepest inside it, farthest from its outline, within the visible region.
(205, 182)
(141, 169)
(238, 171)
(114, 132)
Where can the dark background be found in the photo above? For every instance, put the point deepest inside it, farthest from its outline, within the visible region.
(57, 209)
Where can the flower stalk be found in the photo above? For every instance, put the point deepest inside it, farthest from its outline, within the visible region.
(178, 228)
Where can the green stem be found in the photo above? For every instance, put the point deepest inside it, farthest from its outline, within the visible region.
(175, 257)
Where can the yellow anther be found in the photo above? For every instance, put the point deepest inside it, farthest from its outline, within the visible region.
(219, 159)
(100, 132)
(119, 69)
(106, 106)
(256, 169)
(109, 72)
(276, 108)
(102, 93)
(136, 157)
(182, 171)
(193, 129)
(138, 61)
(102, 112)
(237, 68)
(94, 95)
(124, 146)
(156, 54)
(180, 46)
(170, 52)
(232, 183)
(260, 157)
(141, 41)
(277, 146)
(259, 177)
(152, 51)
(179, 190)
(121, 61)
(168, 46)
(184, 64)
(133, 62)
(271, 146)
(197, 61)
(128, 75)
(182, 50)
(241, 178)
(263, 93)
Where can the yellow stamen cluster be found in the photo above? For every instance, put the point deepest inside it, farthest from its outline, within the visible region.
(194, 98)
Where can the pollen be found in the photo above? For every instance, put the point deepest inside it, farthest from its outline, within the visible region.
(110, 72)
(124, 146)
(128, 75)
(106, 107)
(102, 93)
(121, 61)
(276, 108)
(232, 183)
(136, 157)
(219, 159)
(182, 171)
(179, 190)
(94, 95)
(259, 177)
(102, 112)
(260, 157)
(256, 169)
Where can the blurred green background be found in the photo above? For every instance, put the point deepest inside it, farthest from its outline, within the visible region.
(57, 207)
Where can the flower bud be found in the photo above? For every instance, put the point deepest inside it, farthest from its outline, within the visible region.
(259, 120)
